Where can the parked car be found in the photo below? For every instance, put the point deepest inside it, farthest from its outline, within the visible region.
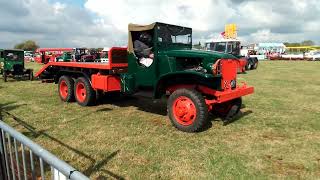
(12, 64)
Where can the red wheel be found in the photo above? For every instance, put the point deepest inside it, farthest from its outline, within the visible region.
(84, 93)
(184, 110)
(187, 110)
(81, 92)
(65, 88)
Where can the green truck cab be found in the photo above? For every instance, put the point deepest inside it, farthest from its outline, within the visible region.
(12, 64)
(174, 60)
(65, 57)
(194, 82)
(232, 46)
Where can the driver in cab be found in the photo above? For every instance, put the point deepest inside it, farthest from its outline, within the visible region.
(142, 49)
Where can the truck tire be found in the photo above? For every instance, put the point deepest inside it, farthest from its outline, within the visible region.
(65, 89)
(31, 75)
(83, 92)
(227, 110)
(5, 76)
(187, 110)
(248, 65)
(255, 65)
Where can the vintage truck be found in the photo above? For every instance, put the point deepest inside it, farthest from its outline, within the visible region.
(195, 82)
(12, 64)
(232, 46)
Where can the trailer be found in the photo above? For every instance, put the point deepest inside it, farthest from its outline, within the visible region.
(194, 82)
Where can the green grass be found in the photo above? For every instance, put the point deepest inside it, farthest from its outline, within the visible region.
(277, 135)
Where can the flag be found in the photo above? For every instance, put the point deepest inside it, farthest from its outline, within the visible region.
(223, 34)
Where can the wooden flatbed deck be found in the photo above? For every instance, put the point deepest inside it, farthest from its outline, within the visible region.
(117, 59)
(87, 65)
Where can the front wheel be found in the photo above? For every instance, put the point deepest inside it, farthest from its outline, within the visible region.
(187, 110)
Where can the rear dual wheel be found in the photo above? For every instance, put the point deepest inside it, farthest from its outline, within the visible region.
(83, 92)
(65, 89)
(79, 90)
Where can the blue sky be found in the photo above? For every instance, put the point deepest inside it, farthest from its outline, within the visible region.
(103, 23)
(79, 3)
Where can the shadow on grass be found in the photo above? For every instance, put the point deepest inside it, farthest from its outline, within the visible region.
(98, 167)
(239, 116)
(4, 107)
(214, 118)
(142, 103)
(94, 166)
(15, 79)
(159, 107)
(9, 106)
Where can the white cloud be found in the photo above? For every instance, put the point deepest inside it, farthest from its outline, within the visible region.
(58, 7)
(199, 15)
(104, 23)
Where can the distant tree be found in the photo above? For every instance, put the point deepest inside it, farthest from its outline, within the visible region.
(28, 45)
(307, 43)
(198, 46)
(303, 43)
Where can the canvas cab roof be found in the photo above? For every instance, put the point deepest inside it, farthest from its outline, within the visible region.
(137, 28)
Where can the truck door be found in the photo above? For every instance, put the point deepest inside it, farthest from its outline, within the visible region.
(144, 59)
(146, 75)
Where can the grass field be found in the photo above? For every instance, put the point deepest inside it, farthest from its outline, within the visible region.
(277, 134)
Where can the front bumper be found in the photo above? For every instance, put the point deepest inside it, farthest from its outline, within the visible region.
(223, 96)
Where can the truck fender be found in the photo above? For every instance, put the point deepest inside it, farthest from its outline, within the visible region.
(172, 79)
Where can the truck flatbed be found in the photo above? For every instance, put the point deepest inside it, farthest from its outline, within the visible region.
(117, 59)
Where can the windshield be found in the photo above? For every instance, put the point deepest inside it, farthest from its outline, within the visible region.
(174, 34)
(81, 51)
(225, 47)
(13, 55)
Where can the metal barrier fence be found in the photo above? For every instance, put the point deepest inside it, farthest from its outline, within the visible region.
(13, 148)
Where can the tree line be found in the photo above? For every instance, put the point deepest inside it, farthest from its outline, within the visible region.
(28, 45)
(297, 44)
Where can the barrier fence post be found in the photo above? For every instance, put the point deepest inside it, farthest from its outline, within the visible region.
(10, 161)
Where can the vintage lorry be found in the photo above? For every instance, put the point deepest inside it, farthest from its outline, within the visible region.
(232, 46)
(45, 55)
(195, 82)
(12, 64)
(65, 57)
